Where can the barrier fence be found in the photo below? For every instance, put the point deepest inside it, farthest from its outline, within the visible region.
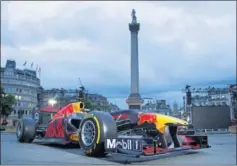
(213, 131)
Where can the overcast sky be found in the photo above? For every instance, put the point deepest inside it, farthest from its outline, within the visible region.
(179, 43)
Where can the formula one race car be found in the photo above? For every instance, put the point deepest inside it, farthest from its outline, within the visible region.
(98, 133)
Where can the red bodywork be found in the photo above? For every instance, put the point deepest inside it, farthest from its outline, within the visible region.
(50, 109)
(65, 111)
(55, 127)
(121, 116)
(188, 142)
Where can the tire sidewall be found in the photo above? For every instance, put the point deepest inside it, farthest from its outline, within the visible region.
(94, 146)
(26, 135)
(21, 136)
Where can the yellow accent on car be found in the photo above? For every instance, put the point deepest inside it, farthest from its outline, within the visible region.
(77, 107)
(162, 120)
(98, 125)
(74, 137)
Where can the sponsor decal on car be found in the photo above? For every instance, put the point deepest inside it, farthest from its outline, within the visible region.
(147, 117)
(131, 144)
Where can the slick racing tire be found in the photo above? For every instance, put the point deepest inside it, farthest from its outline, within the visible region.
(26, 130)
(94, 128)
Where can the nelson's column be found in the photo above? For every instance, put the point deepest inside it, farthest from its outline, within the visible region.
(134, 100)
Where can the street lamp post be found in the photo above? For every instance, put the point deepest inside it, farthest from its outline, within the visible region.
(52, 102)
(188, 103)
(232, 100)
(19, 112)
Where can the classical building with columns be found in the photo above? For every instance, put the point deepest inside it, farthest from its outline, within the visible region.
(134, 100)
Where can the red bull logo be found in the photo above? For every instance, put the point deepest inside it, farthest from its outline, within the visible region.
(147, 117)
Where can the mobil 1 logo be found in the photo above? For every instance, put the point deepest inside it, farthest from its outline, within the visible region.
(130, 144)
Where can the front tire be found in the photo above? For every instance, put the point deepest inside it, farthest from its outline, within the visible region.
(26, 130)
(94, 128)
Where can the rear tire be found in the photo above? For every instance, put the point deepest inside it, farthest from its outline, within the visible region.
(94, 128)
(26, 130)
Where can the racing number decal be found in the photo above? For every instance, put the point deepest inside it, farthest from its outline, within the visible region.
(55, 129)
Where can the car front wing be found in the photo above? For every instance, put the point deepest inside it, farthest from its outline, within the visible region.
(134, 145)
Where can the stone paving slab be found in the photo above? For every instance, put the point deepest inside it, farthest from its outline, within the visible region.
(223, 151)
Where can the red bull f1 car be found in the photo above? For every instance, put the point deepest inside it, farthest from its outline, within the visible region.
(99, 133)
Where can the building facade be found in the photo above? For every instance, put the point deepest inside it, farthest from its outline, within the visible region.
(24, 85)
(158, 106)
(100, 102)
(114, 107)
(63, 97)
(212, 96)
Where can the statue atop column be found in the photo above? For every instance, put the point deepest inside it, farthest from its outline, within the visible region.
(134, 17)
(134, 100)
